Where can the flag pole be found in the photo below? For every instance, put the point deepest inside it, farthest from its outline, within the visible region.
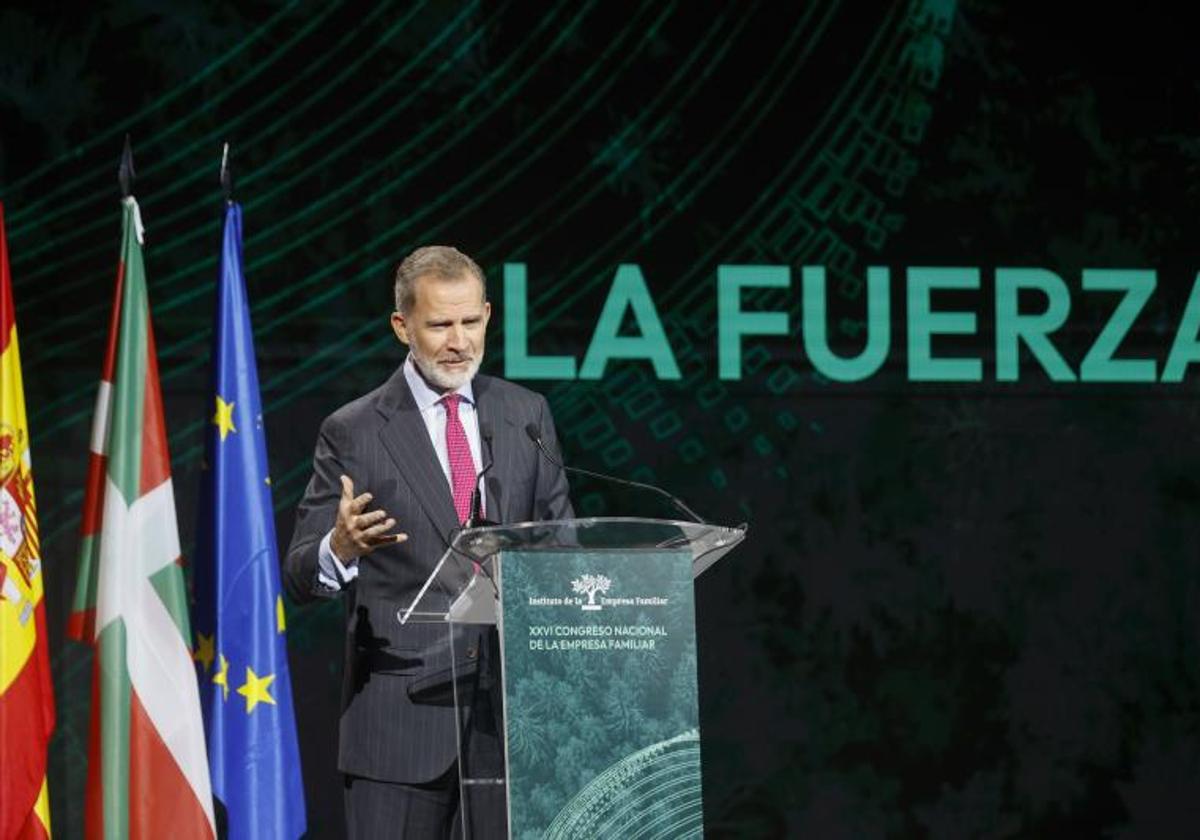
(226, 176)
(125, 173)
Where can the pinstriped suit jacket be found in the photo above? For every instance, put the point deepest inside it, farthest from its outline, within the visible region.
(381, 442)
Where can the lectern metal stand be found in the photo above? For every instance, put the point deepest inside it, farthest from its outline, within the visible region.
(573, 674)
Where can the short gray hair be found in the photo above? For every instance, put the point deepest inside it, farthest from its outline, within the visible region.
(443, 262)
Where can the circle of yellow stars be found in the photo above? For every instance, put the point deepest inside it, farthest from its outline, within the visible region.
(256, 689)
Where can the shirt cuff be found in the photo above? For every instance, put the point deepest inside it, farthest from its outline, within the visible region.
(331, 572)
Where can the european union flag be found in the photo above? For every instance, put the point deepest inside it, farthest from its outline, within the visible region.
(241, 649)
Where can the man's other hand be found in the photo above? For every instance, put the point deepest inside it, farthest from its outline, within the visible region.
(357, 533)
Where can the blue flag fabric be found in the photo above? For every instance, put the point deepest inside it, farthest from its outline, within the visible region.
(241, 649)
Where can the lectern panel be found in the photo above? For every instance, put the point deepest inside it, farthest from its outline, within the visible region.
(600, 693)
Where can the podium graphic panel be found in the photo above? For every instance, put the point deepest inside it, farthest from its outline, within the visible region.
(600, 694)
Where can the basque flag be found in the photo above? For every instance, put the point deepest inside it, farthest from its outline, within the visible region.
(147, 770)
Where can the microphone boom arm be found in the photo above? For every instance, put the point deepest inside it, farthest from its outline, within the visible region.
(532, 431)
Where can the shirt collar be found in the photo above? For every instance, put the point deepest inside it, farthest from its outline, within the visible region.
(424, 396)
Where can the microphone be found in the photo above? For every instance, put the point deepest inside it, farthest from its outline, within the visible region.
(476, 520)
(534, 435)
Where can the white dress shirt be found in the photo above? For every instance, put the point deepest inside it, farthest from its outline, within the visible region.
(333, 573)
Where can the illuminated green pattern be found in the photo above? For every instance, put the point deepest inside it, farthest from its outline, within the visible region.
(351, 137)
(928, 560)
(654, 793)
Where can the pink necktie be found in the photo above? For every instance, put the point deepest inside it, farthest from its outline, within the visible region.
(462, 465)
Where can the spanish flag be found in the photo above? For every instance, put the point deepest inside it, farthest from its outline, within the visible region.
(26, 693)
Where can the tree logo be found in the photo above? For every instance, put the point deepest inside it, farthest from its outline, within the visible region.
(589, 585)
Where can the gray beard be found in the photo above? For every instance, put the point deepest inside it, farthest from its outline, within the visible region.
(441, 379)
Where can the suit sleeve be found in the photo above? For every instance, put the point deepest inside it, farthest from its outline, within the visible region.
(315, 516)
(551, 493)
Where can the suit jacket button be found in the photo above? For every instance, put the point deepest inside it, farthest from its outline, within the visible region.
(472, 652)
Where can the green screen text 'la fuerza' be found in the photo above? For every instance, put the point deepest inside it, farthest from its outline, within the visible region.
(1031, 305)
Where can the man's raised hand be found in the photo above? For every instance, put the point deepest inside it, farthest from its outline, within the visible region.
(356, 533)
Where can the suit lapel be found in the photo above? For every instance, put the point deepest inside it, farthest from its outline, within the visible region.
(406, 439)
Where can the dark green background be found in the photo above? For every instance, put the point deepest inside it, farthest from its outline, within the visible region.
(962, 610)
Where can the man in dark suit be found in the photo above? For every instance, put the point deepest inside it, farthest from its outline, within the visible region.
(392, 479)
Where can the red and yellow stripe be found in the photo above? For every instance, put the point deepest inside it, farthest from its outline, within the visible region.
(26, 691)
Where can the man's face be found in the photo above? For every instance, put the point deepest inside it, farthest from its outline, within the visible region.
(445, 329)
